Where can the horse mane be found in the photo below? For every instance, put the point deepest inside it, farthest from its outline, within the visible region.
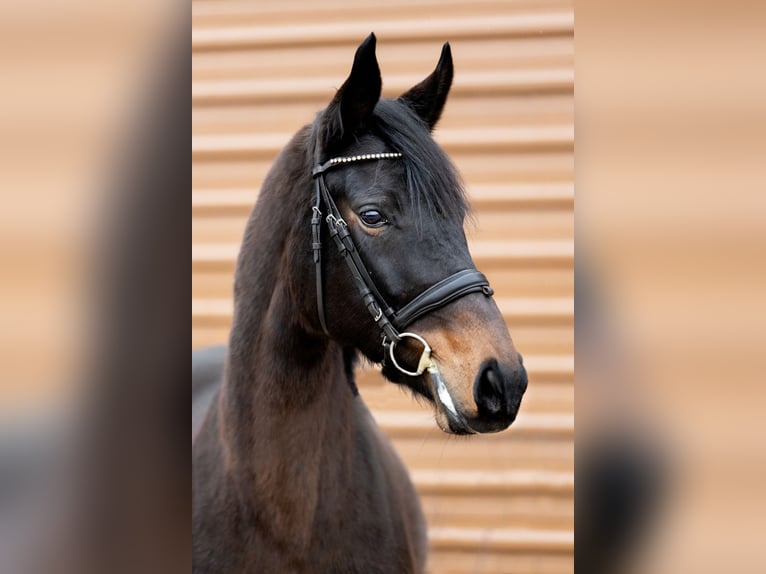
(433, 183)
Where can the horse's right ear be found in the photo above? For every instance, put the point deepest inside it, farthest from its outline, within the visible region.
(353, 104)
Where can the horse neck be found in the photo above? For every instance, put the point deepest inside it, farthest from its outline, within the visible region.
(282, 382)
(285, 407)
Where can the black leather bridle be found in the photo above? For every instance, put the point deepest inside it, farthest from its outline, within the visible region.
(391, 322)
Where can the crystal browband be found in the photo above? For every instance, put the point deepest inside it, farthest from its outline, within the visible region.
(349, 159)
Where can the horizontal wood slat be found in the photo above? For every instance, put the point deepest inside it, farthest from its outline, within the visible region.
(233, 12)
(534, 24)
(488, 482)
(469, 84)
(502, 540)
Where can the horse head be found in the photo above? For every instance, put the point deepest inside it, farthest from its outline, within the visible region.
(403, 207)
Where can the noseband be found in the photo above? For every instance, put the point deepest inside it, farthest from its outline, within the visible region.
(391, 322)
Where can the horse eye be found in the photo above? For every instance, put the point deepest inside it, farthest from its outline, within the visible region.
(373, 218)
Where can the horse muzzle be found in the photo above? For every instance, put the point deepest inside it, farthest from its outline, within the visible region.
(497, 393)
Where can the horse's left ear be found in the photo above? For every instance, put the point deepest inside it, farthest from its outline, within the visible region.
(428, 97)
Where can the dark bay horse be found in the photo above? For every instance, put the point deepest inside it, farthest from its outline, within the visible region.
(355, 245)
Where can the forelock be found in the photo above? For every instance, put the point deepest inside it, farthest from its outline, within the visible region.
(433, 184)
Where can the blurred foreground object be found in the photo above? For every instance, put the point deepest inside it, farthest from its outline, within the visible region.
(92, 180)
(670, 173)
(621, 471)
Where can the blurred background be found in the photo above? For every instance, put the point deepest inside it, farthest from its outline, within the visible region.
(261, 70)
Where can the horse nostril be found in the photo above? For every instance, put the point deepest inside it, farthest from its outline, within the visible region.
(489, 389)
(494, 381)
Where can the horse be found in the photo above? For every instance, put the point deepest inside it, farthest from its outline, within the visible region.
(355, 246)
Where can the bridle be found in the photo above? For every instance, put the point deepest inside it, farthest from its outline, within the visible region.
(391, 322)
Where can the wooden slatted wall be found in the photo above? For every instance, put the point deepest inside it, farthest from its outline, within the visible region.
(261, 69)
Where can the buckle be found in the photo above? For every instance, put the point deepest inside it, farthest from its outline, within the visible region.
(425, 357)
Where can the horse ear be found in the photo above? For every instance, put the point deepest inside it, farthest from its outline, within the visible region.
(355, 101)
(428, 97)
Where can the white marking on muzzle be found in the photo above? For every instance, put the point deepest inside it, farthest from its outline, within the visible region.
(441, 388)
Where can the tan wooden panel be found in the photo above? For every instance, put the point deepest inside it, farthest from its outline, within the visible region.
(500, 503)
